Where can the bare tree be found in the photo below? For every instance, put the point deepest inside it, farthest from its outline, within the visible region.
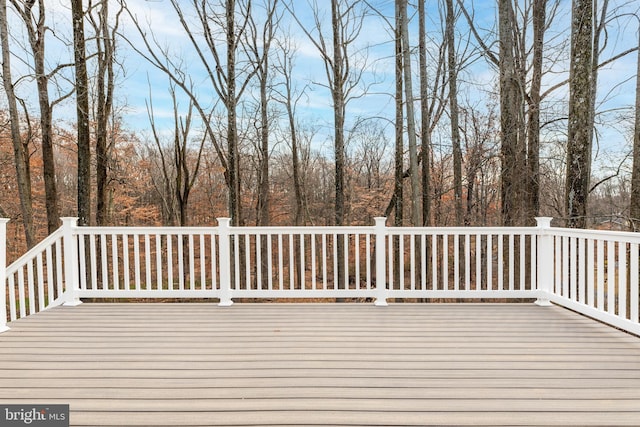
(336, 74)
(512, 82)
(534, 100)
(229, 79)
(82, 112)
(425, 116)
(370, 156)
(520, 63)
(480, 135)
(433, 103)
(181, 169)
(229, 95)
(511, 118)
(105, 57)
(35, 24)
(343, 79)
(635, 174)
(589, 31)
(452, 67)
(162, 177)
(410, 118)
(432, 106)
(289, 97)
(580, 114)
(398, 194)
(21, 155)
(260, 38)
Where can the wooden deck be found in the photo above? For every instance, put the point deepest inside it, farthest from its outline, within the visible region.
(330, 364)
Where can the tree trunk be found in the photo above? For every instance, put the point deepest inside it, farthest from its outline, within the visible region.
(453, 112)
(298, 185)
(338, 113)
(338, 96)
(411, 124)
(580, 122)
(425, 117)
(297, 177)
(635, 174)
(399, 128)
(21, 158)
(511, 121)
(263, 75)
(232, 126)
(533, 122)
(82, 111)
(105, 48)
(48, 162)
(36, 32)
(263, 190)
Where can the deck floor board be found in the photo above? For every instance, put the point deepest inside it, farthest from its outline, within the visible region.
(323, 364)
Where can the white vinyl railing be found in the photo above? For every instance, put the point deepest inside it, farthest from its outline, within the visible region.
(38, 279)
(458, 262)
(595, 273)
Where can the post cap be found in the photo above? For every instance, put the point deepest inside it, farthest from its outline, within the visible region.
(544, 221)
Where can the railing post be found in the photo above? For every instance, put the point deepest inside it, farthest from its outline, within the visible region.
(71, 277)
(381, 253)
(544, 260)
(3, 274)
(224, 253)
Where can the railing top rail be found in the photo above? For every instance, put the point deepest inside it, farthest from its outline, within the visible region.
(463, 230)
(145, 230)
(625, 236)
(215, 230)
(303, 230)
(94, 230)
(31, 253)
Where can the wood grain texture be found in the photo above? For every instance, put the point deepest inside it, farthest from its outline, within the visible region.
(323, 364)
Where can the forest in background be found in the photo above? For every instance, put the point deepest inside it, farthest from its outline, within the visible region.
(509, 116)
